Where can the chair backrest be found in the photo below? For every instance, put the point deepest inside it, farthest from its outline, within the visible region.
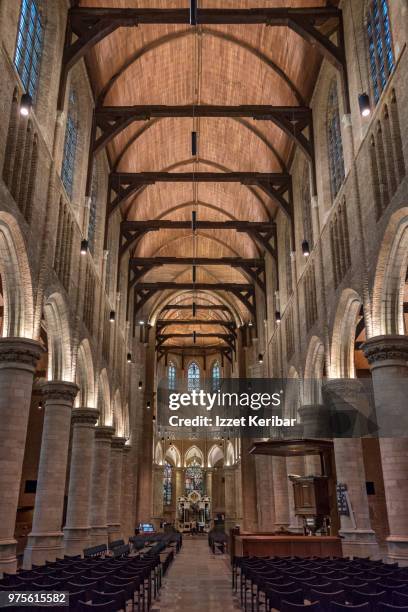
(385, 607)
(287, 606)
(109, 606)
(372, 598)
(338, 607)
(399, 599)
(328, 598)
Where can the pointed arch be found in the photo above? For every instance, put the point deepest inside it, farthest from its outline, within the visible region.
(193, 453)
(59, 338)
(158, 454)
(342, 346)
(85, 376)
(18, 317)
(104, 400)
(215, 454)
(193, 376)
(173, 454)
(390, 278)
(314, 368)
(229, 455)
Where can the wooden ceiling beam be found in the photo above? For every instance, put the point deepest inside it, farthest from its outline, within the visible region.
(262, 232)
(162, 323)
(139, 266)
(109, 121)
(221, 307)
(86, 26)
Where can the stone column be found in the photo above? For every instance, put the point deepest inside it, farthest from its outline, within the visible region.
(388, 359)
(209, 482)
(230, 497)
(294, 465)
(45, 542)
(115, 488)
(249, 488)
(99, 485)
(280, 492)
(266, 502)
(157, 494)
(358, 537)
(78, 529)
(127, 520)
(18, 358)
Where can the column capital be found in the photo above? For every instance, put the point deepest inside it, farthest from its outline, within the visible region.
(22, 351)
(381, 349)
(118, 443)
(84, 416)
(59, 390)
(103, 432)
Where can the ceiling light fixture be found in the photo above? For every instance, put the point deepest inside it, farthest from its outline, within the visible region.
(277, 316)
(112, 316)
(140, 385)
(26, 104)
(129, 357)
(260, 358)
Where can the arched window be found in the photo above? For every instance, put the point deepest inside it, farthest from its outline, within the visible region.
(70, 145)
(193, 376)
(306, 207)
(194, 479)
(29, 46)
(92, 210)
(171, 375)
(334, 143)
(380, 50)
(215, 376)
(167, 474)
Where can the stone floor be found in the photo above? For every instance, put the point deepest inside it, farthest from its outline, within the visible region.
(197, 581)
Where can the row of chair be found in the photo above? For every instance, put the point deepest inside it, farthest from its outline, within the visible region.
(292, 583)
(94, 582)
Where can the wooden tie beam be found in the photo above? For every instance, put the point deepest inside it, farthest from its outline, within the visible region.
(276, 185)
(228, 338)
(218, 307)
(261, 232)
(192, 350)
(139, 266)
(244, 292)
(230, 325)
(109, 121)
(86, 26)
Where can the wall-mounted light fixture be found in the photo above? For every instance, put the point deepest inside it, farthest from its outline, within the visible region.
(112, 316)
(129, 357)
(305, 248)
(260, 358)
(26, 104)
(277, 316)
(140, 385)
(364, 104)
(84, 247)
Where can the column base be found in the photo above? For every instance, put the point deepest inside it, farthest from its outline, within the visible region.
(43, 547)
(8, 558)
(99, 535)
(397, 550)
(114, 532)
(359, 543)
(75, 540)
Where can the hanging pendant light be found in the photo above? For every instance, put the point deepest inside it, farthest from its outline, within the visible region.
(260, 358)
(140, 385)
(277, 316)
(364, 104)
(193, 12)
(129, 357)
(193, 144)
(112, 316)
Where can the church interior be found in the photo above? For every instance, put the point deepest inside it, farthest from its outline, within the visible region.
(195, 194)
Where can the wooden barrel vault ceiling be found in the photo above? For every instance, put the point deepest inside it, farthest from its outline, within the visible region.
(203, 65)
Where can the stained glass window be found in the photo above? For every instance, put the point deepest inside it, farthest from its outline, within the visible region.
(168, 470)
(92, 210)
(70, 146)
(171, 375)
(193, 376)
(380, 50)
(29, 46)
(194, 479)
(216, 375)
(335, 145)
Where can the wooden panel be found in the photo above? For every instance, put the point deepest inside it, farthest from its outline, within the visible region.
(281, 546)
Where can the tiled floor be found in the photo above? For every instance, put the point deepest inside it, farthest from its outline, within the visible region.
(197, 581)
